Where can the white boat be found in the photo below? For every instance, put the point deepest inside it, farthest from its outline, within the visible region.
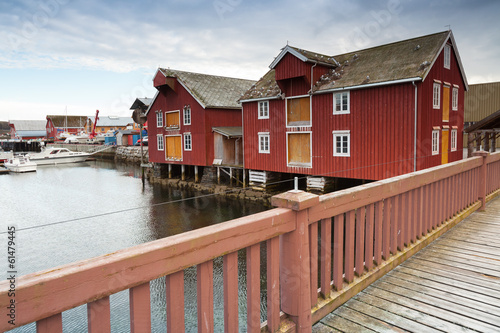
(20, 164)
(52, 155)
(5, 155)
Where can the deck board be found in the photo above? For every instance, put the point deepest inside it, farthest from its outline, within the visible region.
(453, 285)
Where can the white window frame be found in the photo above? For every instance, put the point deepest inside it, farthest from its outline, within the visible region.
(447, 56)
(160, 144)
(436, 95)
(454, 99)
(159, 119)
(263, 136)
(341, 134)
(187, 115)
(435, 142)
(340, 95)
(263, 110)
(188, 144)
(453, 140)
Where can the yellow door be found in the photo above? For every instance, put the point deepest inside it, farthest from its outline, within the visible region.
(444, 146)
(173, 149)
(446, 103)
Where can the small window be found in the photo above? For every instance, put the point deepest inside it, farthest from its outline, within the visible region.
(187, 115)
(298, 111)
(264, 143)
(264, 110)
(159, 119)
(172, 120)
(341, 103)
(447, 56)
(436, 96)
(435, 142)
(453, 140)
(341, 143)
(159, 141)
(454, 99)
(187, 141)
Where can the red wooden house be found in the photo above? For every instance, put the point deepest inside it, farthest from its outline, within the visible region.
(183, 115)
(370, 114)
(57, 124)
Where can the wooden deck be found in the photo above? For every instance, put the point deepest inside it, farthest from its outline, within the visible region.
(453, 285)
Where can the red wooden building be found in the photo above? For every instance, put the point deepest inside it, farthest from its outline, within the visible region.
(57, 124)
(182, 117)
(370, 114)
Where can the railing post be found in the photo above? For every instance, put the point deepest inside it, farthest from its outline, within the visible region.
(483, 174)
(295, 259)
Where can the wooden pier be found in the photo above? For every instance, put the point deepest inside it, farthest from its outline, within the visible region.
(453, 285)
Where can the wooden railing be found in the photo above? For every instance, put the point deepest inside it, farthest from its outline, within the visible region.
(321, 250)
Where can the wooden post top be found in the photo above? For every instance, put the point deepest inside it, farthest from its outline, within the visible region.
(295, 200)
(480, 153)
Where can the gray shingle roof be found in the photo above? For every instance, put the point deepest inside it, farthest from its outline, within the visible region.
(29, 125)
(211, 91)
(401, 60)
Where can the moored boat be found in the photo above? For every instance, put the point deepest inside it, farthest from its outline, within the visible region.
(20, 164)
(52, 155)
(5, 155)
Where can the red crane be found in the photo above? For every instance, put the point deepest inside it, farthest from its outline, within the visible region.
(94, 134)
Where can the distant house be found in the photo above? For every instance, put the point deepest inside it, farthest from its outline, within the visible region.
(4, 129)
(185, 112)
(112, 123)
(142, 104)
(27, 129)
(481, 101)
(370, 114)
(58, 124)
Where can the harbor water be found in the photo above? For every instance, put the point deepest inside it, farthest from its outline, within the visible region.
(73, 212)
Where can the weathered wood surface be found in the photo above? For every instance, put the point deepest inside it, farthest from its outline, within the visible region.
(453, 285)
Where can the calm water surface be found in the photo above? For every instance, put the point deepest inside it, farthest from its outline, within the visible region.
(94, 208)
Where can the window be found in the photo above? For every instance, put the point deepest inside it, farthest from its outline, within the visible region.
(447, 56)
(264, 143)
(159, 141)
(341, 103)
(187, 115)
(159, 119)
(298, 112)
(436, 95)
(454, 99)
(187, 141)
(435, 142)
(341, 143)
(173, 148)
(172, 120)
(264, 110)
(453, 140)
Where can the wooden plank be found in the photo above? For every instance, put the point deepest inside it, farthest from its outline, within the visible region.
(230, 271)
(466, 251)
(349, 246)
(326, 257)
(378, 232)
(395, 307)
(370, 236)
(140, 308)
(394, 224)
(472, 264)
(338, 252)
(480, 250)
(51, 324)
(273, 284)
(367, 321)
(340, 324)
(322, 328)
(174, 292)
(386, 227)
(360, 241)
(205, 296)
(313, 262)
(455, 314)
(448, 293)
(99, 316)
(474, 259)
(470, 316)
(388, 317)
(253, 288)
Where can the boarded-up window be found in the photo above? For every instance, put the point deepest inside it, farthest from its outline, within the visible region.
(172, 120)
(173, 147)
(299, 149)
(298, 112)
(446, 103)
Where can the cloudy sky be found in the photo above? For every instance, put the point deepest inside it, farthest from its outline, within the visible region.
(76, 56)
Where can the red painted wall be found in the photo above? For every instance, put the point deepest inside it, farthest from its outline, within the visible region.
(202, 121)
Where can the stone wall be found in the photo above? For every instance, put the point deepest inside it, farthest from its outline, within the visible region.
(131, 154)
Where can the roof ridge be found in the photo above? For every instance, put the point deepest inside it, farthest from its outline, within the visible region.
(211, 75)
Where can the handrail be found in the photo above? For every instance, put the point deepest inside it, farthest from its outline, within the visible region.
(371, 229)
